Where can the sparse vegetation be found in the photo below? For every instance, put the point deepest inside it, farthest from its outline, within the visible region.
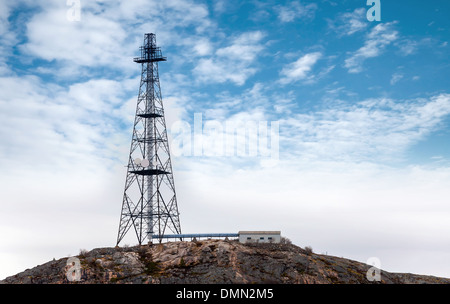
(83, 253)
(114, 280)
(182, 263)
(150, 267)
(285, 240)
(308, 250)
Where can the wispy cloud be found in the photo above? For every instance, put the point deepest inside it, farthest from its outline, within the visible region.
(407, 46)
(396, 77)
(47, 126)
(233, 62)
(300, 68)
(7, 37)
(346, 24)
(371, 130)
(296, 10)
(376, 41)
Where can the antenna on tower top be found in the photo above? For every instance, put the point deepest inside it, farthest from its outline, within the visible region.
(149, 205)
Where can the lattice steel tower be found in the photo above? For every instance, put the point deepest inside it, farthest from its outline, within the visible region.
(149, 202)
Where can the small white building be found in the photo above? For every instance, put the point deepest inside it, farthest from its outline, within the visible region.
(259, 237)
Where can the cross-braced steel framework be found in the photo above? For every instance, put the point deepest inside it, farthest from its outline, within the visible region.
(149, 204)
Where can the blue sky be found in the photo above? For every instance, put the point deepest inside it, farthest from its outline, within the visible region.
(362, 108)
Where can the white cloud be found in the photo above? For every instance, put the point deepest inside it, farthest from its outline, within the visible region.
(220, 6)
(203, 47)
(396, 77)
(300, 68)
(407, 47)
(347, 24)
(245, 47)
(47, 126)
(296, 10)
(7, 36)
(233, 62)
(109, 32)
(216, 70)
(94, 41)
(377, 40)
(376, 130)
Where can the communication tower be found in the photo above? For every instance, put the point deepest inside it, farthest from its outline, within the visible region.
(149, 206)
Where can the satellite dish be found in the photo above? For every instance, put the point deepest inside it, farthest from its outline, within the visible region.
(145, 163)
(137, 161)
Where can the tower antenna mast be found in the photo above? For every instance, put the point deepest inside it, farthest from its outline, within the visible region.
(149, 206)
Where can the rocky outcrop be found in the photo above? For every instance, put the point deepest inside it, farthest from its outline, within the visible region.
(209, 262)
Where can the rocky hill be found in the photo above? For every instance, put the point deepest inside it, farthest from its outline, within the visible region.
(209, 261)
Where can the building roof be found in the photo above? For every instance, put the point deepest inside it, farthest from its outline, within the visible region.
(259, 232)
